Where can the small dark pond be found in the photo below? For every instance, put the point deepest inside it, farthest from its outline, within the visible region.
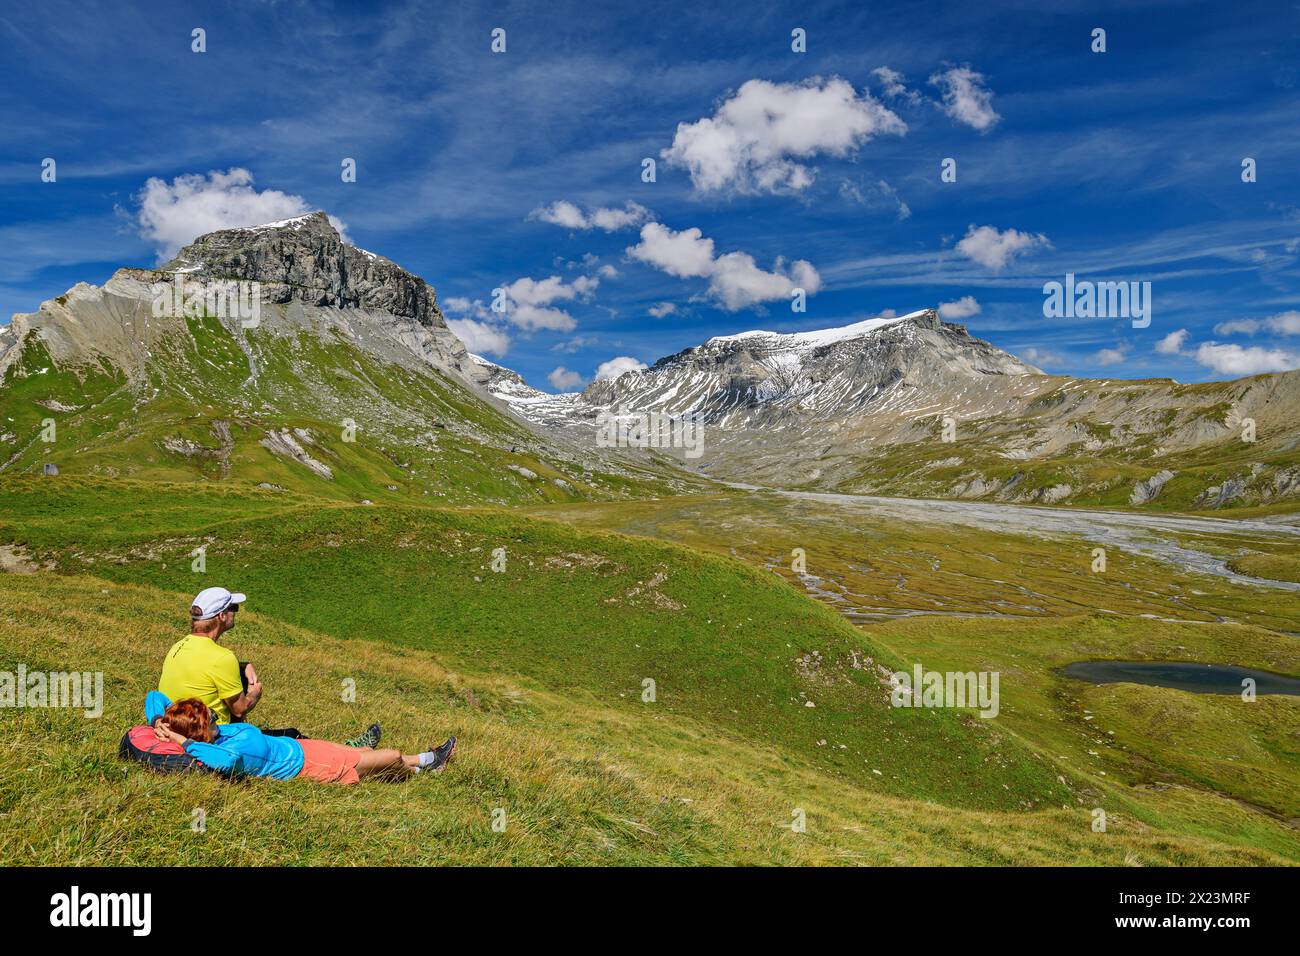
(1181, 675)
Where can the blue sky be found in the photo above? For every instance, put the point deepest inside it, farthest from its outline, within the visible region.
(817, 169)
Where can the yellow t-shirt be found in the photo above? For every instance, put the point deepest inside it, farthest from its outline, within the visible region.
(200, 667)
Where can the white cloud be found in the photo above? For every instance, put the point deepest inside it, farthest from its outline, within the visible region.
(480, 337)
(567, 214)
(529, 302)
(478, 326)
(617, 366)
(1111, 356)
(573, 344)
(965, 97)
(748, 143)
(1238, 327)
(1172, 343)
(734, 278)
(1284, 323)
(738, 282)
(1235, 360)
(563, 379)
(1041, 357)
(660, 309)
(613, 219)
(963, 308)
(607, 272)
(468, 308)
(894, 86)
(174, 214)
(686, 254)
(993, 249)
(561, 213)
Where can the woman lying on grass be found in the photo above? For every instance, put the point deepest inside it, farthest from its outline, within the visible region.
(243, 750)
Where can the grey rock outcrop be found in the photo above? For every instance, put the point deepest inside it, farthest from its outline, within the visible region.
(290, 444)
(1147, 490)
(1216, 496)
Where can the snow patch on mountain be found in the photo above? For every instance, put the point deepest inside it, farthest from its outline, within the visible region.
(815, 338)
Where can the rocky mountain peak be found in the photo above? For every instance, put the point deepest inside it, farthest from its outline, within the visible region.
(309, 280)
(305, 258)
(831, 372)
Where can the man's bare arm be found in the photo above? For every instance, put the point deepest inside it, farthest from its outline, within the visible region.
(246, 700)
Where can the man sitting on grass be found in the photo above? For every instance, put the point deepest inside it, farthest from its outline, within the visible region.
(199, 667)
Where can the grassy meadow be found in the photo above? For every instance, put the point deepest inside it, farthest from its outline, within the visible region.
(766, 701)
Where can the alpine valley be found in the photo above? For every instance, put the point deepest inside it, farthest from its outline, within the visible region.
(650, 656)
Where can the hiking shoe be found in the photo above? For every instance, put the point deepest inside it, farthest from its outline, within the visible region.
(442, 754)
(370, 738)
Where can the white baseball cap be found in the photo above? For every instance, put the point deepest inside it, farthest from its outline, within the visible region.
(212, 601)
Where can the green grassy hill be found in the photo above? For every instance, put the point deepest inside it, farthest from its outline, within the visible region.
(540, 669)
(581, 781)
(579, 612)
(207, 406)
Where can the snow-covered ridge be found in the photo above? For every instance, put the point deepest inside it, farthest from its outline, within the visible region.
(297, 222)
(816, 337)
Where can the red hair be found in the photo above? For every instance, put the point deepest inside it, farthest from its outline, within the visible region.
(190, 718)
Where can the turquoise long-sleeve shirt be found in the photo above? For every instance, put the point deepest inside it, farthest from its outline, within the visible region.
(239, 749)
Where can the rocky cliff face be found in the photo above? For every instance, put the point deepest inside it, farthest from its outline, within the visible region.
(307, 260)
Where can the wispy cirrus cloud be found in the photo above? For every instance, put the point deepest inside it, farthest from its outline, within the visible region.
(894, 85)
